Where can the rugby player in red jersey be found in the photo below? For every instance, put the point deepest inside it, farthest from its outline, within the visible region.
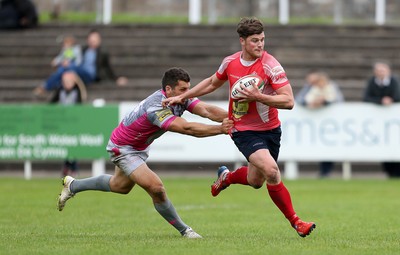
(256, 131)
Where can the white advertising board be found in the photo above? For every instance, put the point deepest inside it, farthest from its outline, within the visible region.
(340, 132)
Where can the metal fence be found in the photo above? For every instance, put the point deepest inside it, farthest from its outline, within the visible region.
(218, 11)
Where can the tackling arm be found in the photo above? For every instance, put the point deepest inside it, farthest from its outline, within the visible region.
(209, 111)
(180, 125)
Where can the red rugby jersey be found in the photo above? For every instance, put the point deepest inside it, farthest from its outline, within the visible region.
(254, 115)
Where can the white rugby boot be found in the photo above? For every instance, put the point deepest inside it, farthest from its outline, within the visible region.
(191, 234)
(65, 192)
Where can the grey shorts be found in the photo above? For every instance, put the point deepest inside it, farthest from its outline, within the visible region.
(126, 157)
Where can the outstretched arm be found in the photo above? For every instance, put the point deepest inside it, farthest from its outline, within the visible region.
(209, 111)
(180, 125)
(204, 87)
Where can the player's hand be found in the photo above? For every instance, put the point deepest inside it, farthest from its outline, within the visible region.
(250, 93)
(172, 100)
(226, 125)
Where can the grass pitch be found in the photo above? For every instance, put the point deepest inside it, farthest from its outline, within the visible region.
(353, 217)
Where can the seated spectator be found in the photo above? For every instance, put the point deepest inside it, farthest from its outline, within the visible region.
(320, 91)
(383, 89)
(72, 92)
(68, 59)
(70, 54)
(95, 66)
(18, 14)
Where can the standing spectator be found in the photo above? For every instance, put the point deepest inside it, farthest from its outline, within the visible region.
(318, 92)
(18, 14)
(257, 128)
(72, 92)
(383, 89)
(95, 67)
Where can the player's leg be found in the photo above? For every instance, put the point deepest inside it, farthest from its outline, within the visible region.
(117, 183)
(120, 182)
(152, 184)
(264, 167)
(225, 178)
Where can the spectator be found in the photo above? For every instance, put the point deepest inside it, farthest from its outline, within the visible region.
(72, 92)
(383, 89)
(95, 67)
(18, 14)
(70, 54)
(102, 69)
(318, 92)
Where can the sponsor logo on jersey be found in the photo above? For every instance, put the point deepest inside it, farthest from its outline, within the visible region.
(234, 76)
(239, 109)
(163, 114)
(277, 70)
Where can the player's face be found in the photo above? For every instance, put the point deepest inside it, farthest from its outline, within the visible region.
(252, 46)
(179, 89)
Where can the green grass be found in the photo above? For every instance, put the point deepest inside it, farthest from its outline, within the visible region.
(353, 217)
(137, 18)
(134, 18)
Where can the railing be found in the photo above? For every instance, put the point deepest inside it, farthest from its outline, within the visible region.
(281, 9)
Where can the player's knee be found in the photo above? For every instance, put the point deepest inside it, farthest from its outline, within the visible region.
(157, 192)
(256, 181)
(273, 175)
(256, 186)
(125, 190)
(121, 187)
(122, 190)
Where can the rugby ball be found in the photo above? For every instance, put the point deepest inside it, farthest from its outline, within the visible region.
(247, 81)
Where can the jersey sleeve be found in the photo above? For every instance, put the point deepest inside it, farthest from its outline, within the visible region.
(275, 72)
(191, 103)
(161, 117)
(221, 73)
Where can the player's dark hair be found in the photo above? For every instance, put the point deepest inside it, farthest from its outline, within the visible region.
(173, 75)
(248, 26)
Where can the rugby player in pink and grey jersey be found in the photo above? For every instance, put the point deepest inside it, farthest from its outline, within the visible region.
(129, 146)
(256, 131)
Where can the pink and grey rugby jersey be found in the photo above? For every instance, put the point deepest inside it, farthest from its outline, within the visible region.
(148, 121)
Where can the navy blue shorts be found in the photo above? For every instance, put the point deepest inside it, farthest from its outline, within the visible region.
(249, 142)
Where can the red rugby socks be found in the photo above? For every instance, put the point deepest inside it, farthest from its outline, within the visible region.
(239, 176)
(281, 197)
